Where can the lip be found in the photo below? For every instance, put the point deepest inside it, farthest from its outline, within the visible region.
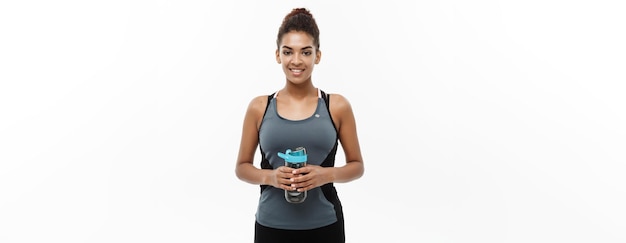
(296, 73)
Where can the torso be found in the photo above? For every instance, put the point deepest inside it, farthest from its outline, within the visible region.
(281, 129)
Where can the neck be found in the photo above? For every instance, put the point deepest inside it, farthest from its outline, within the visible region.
(300, 91)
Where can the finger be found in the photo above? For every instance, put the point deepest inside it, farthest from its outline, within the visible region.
(296, 179)
(301, 177)
(287, 186)
(285, 172)
(304, 184)
(285, 169)
(306, 188)
(303, 170)
(288, 176)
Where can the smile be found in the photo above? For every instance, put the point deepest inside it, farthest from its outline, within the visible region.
(296, 72)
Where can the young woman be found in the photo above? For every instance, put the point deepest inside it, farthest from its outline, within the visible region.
(299, 115)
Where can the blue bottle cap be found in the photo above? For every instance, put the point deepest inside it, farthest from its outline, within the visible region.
(293, 156)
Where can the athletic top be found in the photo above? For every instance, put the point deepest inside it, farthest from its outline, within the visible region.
(318, 135)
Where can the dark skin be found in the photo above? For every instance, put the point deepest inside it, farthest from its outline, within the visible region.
(297, 100)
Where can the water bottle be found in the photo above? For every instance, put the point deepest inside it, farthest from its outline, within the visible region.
(294, 159)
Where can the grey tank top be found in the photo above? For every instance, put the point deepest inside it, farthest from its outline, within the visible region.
(318, 135)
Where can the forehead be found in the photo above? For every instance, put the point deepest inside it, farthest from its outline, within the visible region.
(296, 39)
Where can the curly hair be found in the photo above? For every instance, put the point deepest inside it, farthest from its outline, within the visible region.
(299, 19)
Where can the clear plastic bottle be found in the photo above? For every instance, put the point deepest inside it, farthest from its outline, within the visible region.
(294, 159)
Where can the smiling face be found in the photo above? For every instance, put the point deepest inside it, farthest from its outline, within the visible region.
(297, 55)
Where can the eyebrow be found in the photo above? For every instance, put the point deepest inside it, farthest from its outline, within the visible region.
(306, 47)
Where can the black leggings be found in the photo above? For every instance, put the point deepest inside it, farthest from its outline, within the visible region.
(333, 233)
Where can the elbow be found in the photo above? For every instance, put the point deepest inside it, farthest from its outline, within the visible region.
(238, 172)
(361, 171)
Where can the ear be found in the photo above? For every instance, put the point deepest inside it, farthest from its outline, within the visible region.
(318, 56)
(277, 56)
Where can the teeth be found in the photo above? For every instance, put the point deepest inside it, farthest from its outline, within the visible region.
(296, 70)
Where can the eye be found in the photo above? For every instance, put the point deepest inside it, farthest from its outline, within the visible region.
(286, 53)
(306, 53)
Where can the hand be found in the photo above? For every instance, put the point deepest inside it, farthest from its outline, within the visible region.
(309, 177)
(281, 178)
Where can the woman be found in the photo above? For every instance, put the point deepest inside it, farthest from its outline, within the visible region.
(298, 115)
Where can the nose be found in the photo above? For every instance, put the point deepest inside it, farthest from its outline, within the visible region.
(297, 59)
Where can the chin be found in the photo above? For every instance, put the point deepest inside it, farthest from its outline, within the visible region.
(299, 80)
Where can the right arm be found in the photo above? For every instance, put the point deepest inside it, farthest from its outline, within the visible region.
(245, 169)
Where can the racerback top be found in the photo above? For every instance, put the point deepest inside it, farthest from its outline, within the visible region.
(318, 135)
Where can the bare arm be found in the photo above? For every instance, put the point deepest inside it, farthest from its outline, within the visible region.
(343, 116)
(245, 169)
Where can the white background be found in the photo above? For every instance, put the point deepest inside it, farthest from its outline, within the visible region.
(479, 121)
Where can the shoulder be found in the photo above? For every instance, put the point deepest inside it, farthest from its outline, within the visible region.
(256, 110)
(340, 109)
(338, 103)
(257, 104)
